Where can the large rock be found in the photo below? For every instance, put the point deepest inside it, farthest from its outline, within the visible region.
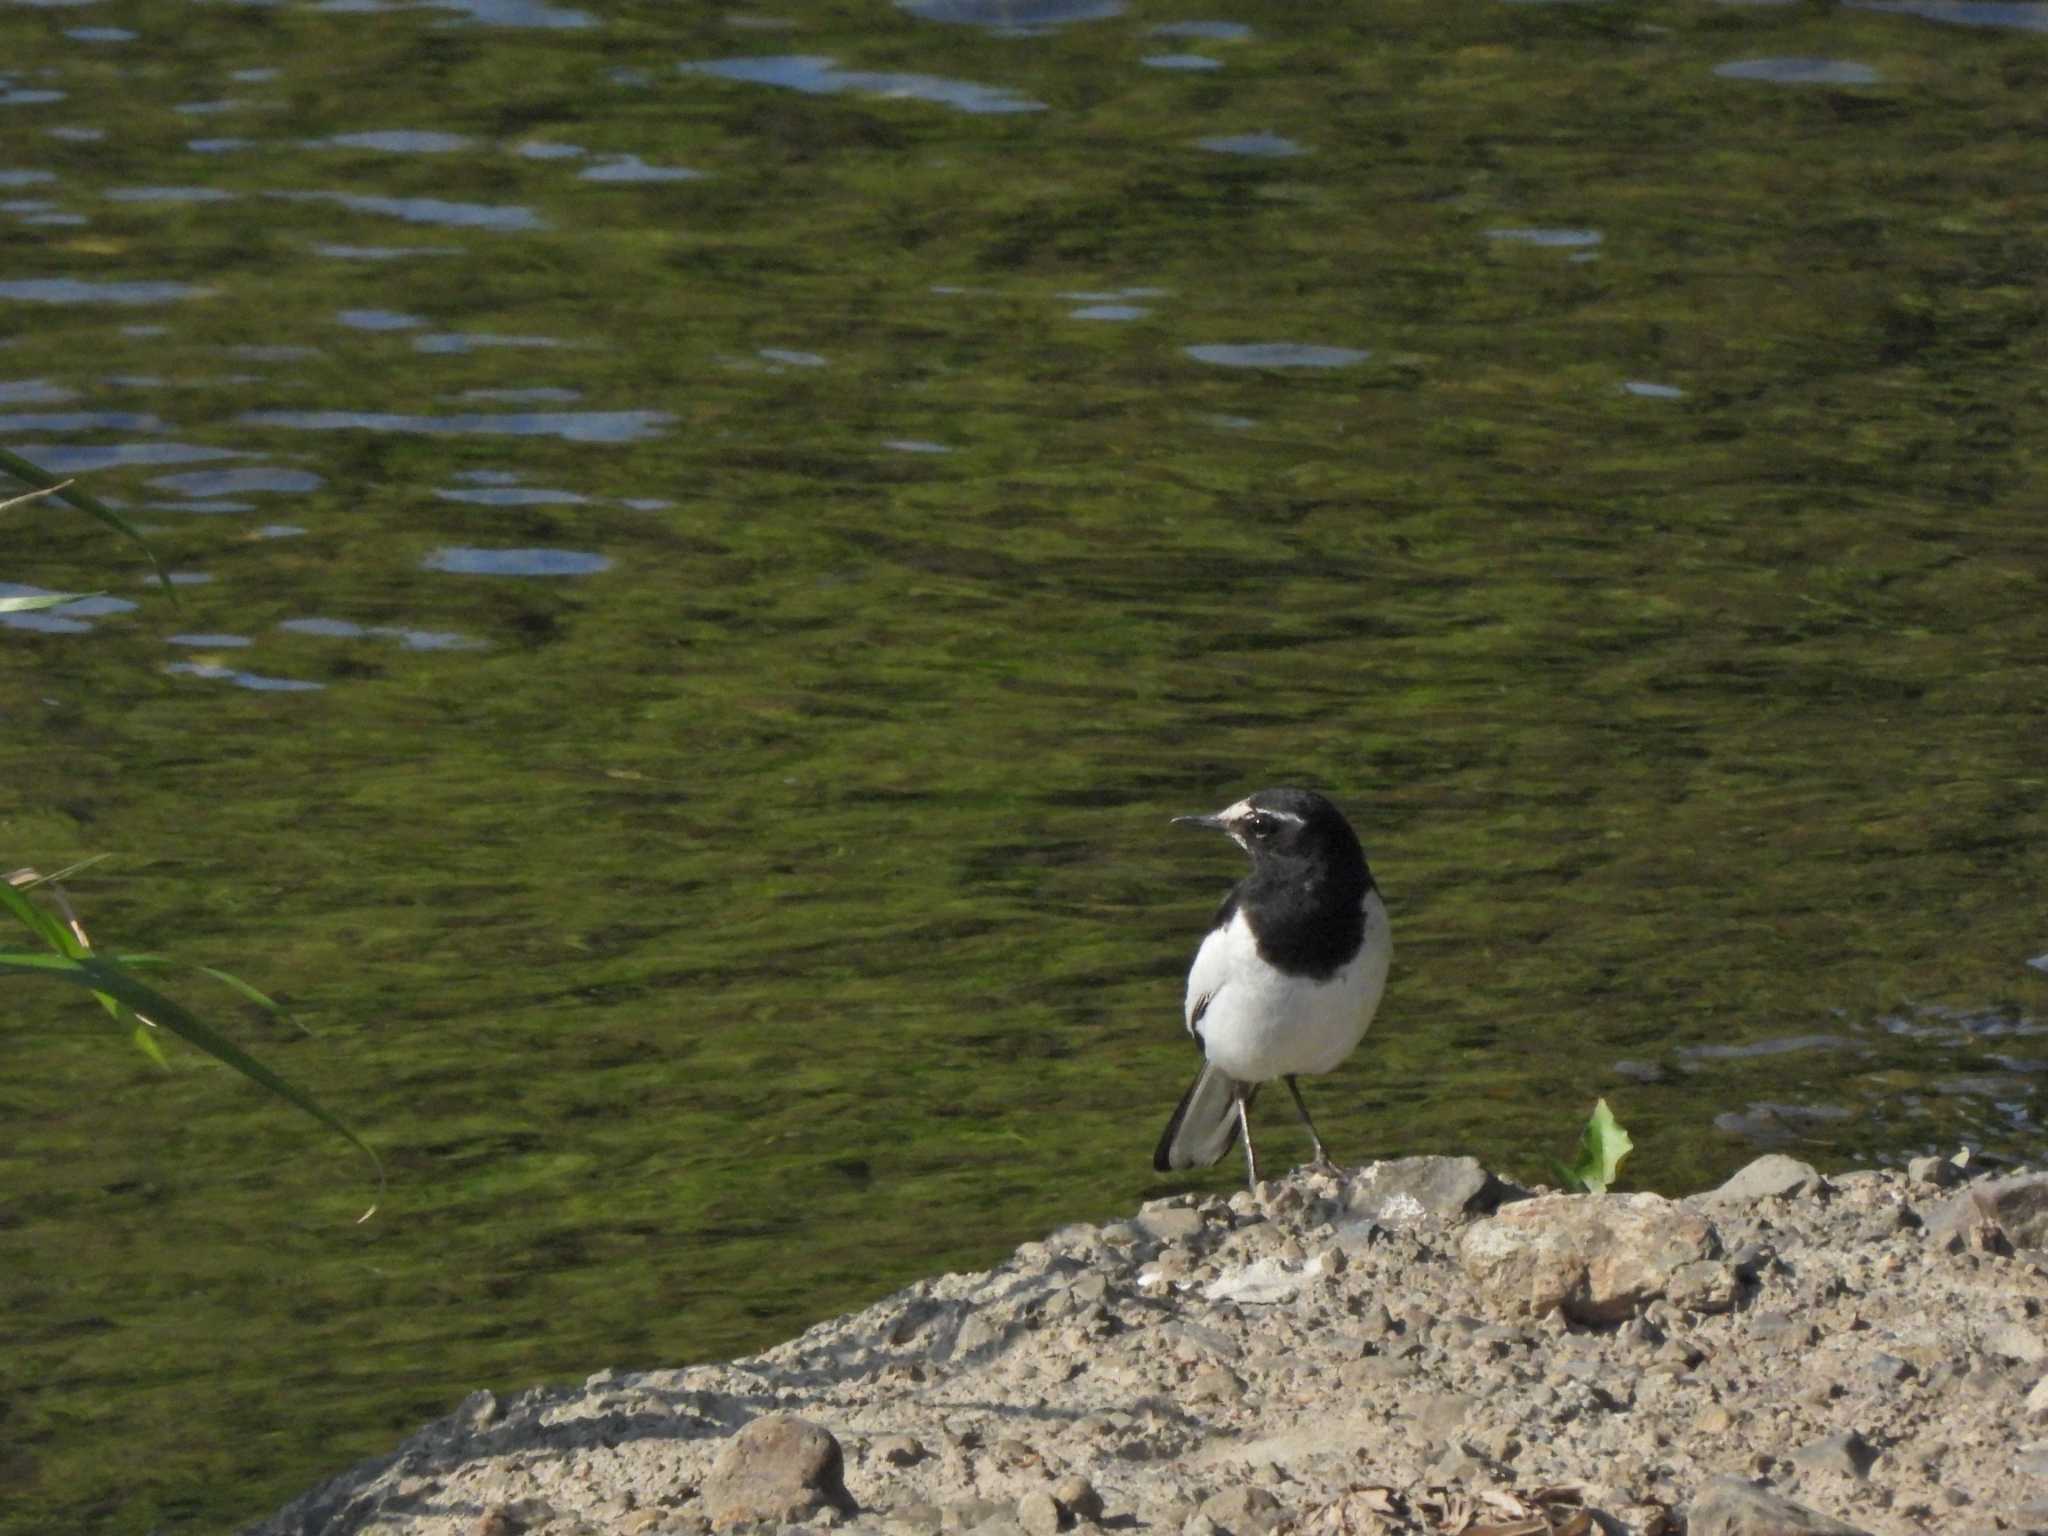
(779, 1469)
(2016, 1206)
(1772, 1176)
(1404, 1188)
(1727, 1506)
(1596, 1258)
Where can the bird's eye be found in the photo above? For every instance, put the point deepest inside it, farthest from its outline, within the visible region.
(1258, 824)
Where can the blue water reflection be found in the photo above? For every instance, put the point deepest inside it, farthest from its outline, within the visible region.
(570, 426)
(1013, 18)
(76, 459)
(1962, 13)
(254, 680)
(504, 217)
(1800, 71)
(411, 639)
(241, 482)
(1204, 31)
(70, 619)
(1275, 354)
(462, 561)
(73, 290)
(402, 141)
(1269, 146)
(819, 76)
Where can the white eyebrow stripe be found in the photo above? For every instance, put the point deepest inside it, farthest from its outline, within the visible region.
(1280, 815)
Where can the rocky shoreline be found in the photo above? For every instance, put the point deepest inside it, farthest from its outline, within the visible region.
(1410, 1346)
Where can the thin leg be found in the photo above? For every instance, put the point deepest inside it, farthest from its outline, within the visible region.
(1244, 1123)
(1322, 1157)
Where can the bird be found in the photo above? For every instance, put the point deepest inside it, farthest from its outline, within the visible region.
(1287, 979)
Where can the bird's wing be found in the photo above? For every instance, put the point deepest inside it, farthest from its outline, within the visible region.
(1210, 971)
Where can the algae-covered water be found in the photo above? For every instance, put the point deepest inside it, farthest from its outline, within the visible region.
(711, 540)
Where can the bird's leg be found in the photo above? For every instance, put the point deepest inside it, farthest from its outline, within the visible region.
(1244, 1124)
(1322, 1157)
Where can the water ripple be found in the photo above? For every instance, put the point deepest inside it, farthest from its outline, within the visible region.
(72, 290)
(1800, 71)
(819, 76)
(1276, 354)
(515, 562)
(570, 426)
(428, 210)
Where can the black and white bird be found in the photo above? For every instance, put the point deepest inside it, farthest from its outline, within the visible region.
(1289, 977)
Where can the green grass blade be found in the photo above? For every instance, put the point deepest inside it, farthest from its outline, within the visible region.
(52, 600)
(145, 1042)
(43, 480)
(44, 924)
(99, 975)
(65, 873)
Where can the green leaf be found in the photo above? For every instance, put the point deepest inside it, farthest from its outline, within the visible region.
(43, 480)
(110, 980)
(1602, 1146)
(44, 924)
(47, 600)
(145, 1042)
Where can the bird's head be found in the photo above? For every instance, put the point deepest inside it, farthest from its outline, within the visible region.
(1281, 823)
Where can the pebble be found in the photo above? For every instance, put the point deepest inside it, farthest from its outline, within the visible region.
(1039, 1513)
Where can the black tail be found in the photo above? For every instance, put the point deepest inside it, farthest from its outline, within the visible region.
(1204, 1126)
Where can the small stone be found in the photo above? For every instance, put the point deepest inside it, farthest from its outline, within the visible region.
(1938, 1171)
(496, 1521)
(1216, 1385)
(480, 1409)
(1887, 1370)
(1242, 1511)
(898, 1450)
(778, 1468)
(917, 1518)
(1171, 1226)
(972, 1514)
(1078, 1497)
(1772, 1176)
(2012, 1341)
(1040, 1514)
(1727, 1506)
(1846, 1453)
(1588, 1258)
(2037, 1401)
(1404, 1189)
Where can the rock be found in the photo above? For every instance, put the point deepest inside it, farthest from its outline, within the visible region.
(1938, 1171)
(1039, 1513)
(1171, 1225)
(1847, 1454)
(1772, 1176)
(898, 1450)
(1407, 1188)
(1216, 1385)
(2037, 1401)
(496, 1521)
(2013, 1341)
(1727, 1506)
(1592, 1258)
(1078, 1497)
(1241, 1511)
(2016, 1206)
(779, 1468)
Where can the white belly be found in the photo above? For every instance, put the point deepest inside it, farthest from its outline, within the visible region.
(1261, 1024)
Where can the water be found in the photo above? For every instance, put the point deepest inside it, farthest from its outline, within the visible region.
(696, 668)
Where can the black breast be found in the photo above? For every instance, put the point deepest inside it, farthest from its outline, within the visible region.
(1307, 926)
